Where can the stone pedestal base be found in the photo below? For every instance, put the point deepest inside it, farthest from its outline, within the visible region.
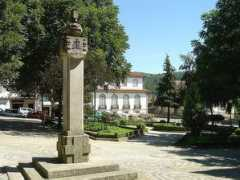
(51, 169)
(73, 149)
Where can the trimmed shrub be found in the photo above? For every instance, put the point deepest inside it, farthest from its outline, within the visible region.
(123, 122)
(167, 127)
(162, 121)
(135, 120)
(106, 117)
(237, 131)
(95, 126)
(115, 123)
(141, 126)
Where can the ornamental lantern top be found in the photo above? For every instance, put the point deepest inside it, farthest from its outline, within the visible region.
(75, 45)
(75, 16)
(74, 29)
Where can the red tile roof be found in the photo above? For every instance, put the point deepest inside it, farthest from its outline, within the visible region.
(136, 74)
(124, 90)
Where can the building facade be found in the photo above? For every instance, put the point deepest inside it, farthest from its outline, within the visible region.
(11, 100)
(130, 98)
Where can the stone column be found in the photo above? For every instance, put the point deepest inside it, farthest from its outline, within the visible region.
(73, 145)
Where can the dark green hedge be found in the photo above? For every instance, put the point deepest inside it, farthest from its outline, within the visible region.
(210, 141)
(167, 127)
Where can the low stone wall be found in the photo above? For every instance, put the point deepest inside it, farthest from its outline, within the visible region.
(135, 134)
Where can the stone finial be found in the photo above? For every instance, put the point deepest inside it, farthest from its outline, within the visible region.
(75, 28)
(75, 16)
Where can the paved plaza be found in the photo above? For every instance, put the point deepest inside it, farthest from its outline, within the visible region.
(153, 155)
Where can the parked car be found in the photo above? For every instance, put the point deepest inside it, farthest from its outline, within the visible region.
(1, 111)
(25, 111)
(11, 113)
(36, 115)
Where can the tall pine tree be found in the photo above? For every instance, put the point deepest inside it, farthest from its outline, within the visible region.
(166, 87)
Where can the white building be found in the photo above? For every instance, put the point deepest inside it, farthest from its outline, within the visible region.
(12, 100)
(129, 99)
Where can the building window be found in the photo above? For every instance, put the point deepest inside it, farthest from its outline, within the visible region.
(126, 102)
(135, 83)
(137, 102)
(102, 102)
(114, 104)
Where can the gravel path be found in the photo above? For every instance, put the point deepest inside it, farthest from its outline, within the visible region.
(152, 155)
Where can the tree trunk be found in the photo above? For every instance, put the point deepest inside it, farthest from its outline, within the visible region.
(211, 109)
(94, 104)
(52, 110)
(168, 114)
(42, 102)
(43, 116)
(231, 118)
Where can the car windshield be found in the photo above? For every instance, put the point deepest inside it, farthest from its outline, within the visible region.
(11, 110)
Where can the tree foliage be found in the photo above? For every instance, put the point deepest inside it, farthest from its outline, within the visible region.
(166, 87)
(194, 117)
(217, 53)
(189, 68)
(43, 23)
(12, 40)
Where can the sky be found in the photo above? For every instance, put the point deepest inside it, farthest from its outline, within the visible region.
(159, 27)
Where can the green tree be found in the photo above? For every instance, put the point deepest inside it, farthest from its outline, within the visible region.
(188, 67)
(12, 40)
(52, 87)
(194, 117)
(217, 53)
(236, 103)
(189, 70)
(46, 22)
(166, 87)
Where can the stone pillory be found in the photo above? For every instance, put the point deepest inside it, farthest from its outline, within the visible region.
(73, 145)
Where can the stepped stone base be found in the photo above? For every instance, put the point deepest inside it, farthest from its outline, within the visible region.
(50, 169)
(14, 176)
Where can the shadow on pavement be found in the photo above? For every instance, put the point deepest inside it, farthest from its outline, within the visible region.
(6, 169)
(226, 161)
(24, 128)
(233, 173)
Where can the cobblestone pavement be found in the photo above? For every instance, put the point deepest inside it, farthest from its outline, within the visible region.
(152, 155)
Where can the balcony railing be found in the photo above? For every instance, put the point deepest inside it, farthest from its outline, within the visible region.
(114, 107)
(102, 107)
(126, 107)
(137, 107)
